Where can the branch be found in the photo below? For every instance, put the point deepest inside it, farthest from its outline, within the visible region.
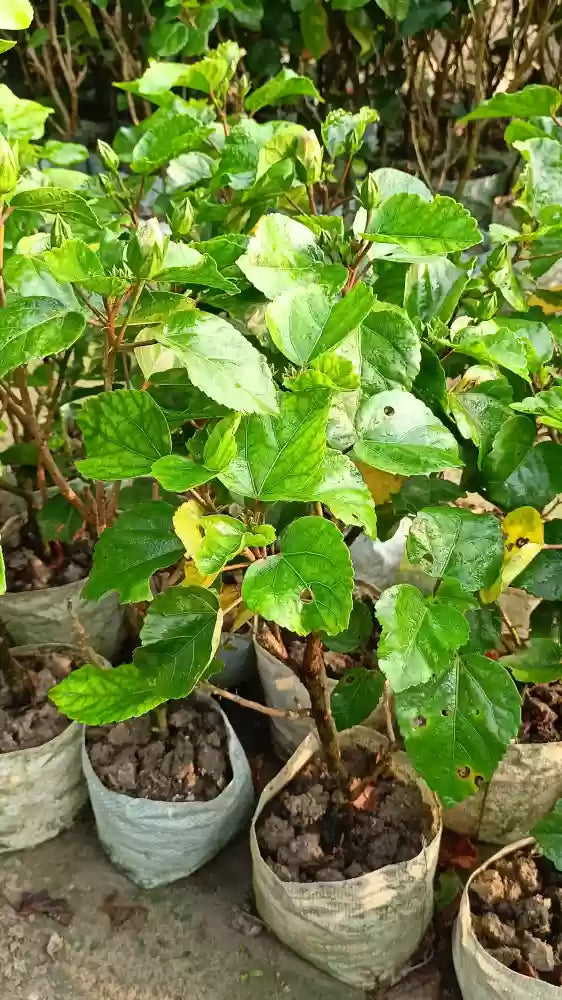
(274, 713)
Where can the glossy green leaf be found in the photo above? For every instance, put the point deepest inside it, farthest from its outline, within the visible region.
(58, 520)
(547, 406)
(541, 179)
(433, 289)
(16, 15)
(423, 229)
(516, 472)
(308, 586)
(419, 636)
(74, 261)
(340, 486)
(543, 577)
(220, 361)
(530, 102)
(285, 88)
(485, 624)
(479, 404)
(391, 181)
(179, 474)
(453, 542)
(179, 637)
(390, 349)
(355, 696)
(493, 344)
(398, 433)
(56, 201)
(278, 457)
(167, 135)
(548, 834)
(31, 328)
(357, 633)
(283, 253)
(305, 322)
(140, 542)
(539, 662)
(124, 432)
(222, 538)
(458, 727)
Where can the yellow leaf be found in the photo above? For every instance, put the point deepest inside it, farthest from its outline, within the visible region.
(242, 618)
(548, 307)
(193, 578)
(228, 595)
(523, 532)
(381, 484)
(186, 526)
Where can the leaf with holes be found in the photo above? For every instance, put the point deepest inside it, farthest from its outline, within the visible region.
(458, 727)
(398, 433)
(125, 432)
(419, 635)
(179, 637)
(355, 696)
(140, 542)
(307, 322)
(523, 534)
(453, 542)
(307, 587)
(357, 633)
(31, 328)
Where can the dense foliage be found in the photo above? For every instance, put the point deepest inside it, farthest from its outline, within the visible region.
(253, 348)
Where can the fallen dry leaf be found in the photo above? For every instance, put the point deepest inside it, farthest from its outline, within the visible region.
(457, 852)
(120, 911)
(54, 945)
(32, 903)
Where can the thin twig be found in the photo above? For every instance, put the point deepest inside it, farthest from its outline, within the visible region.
(511, 627)
(275, 713)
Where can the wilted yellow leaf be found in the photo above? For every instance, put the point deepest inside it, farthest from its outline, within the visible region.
(381, 484)
(186, 526)
(193, 578)
(523, 532)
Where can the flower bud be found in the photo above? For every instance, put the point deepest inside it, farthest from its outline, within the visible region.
(60, 232)
(369, 194)
(146, 250)
(309, 154)
(9, 167)
(182, 218)
(108, 156)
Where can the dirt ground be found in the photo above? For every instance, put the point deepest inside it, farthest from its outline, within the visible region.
(189, 941)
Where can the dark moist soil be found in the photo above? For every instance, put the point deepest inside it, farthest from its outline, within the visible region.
(36, 721)
(305, 836)
(64, 563)
(191, 764)
(517, 914)
(542, 713)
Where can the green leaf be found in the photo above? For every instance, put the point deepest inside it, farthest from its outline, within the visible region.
(314, 28)
(355, 696)
(530, 102)
(453, 542)
(391, 181)
(479, 403)
(180, 637)
(220, 448)
(357, 633)
(497, 346)
(543, 577)
(188, 266)
(140, 542)
(31, 328)
(390, 349)
(458, 727)
(306, 322)
(542, 184)
(309, 585)
(546, 621)
(517, 473)
(546, 405)
(537, 663)
(124, 433)
(548, 834)
(283, 253)
(21, 119)
(340, 486)
(220, 361)
(5, 46)
(222, 538)
(420, 491)
(433, 289)
(168, 134)
(284, 88)
(16, 15)
(419, 635)
(485, 626)
(56, 201)
(398, 433)
(279, 457)
(361, 27)
(180, 400)
(396, 9)
(65, 154)
(179, 474)
(423, 229)
(74, 261)
(343, 132)
(58, 520)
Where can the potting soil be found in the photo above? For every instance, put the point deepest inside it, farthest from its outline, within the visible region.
(37, 721)
(542, 713)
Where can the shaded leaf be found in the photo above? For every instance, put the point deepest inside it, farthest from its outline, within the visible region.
(355, 696)
(516, 472)
(341, 486)
(548, 834)
(543, 578)
(357, 633)
(58, 520)
(539, 662)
